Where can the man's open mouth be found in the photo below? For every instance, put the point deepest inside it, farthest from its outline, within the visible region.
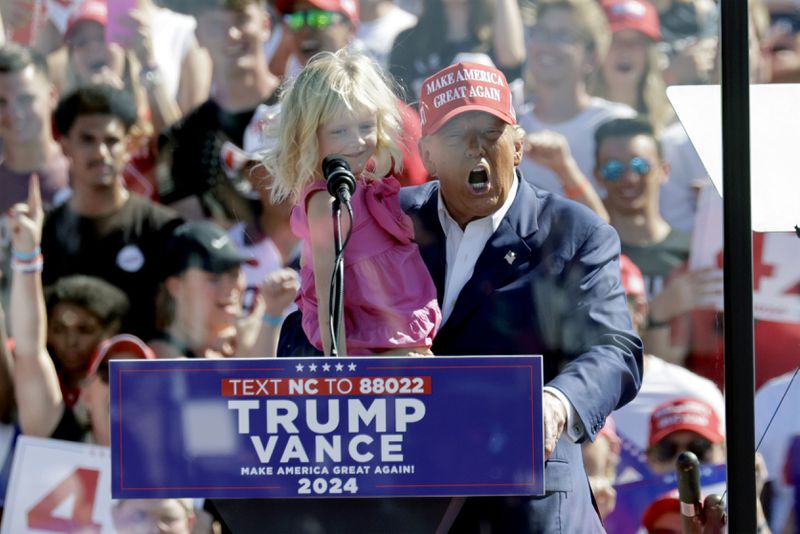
(479, 179)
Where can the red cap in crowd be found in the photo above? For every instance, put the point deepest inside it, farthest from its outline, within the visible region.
(348, 8)
(690, 414)
(93, 10)
(460, 88)
(669, 503)
(128, 344)
(632, 279)
(639, 15)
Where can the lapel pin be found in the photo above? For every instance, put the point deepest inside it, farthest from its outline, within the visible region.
(511, 256)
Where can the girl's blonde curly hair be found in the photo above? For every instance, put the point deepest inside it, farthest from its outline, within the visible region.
(330, 85)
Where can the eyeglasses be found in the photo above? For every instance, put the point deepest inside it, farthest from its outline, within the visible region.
(666, 450)
(538, 34)
(613, 169)
(316, 19)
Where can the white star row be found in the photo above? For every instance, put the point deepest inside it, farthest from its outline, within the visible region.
(326, 367)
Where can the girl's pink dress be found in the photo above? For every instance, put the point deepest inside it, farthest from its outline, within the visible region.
(389, 297)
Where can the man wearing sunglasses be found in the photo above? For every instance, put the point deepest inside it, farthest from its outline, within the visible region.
(630, 167)
(319, 25)
(685, 424)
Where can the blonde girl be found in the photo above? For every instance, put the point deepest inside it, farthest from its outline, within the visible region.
(341, 104)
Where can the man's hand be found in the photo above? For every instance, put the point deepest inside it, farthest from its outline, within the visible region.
(279, 290)
(555, 420)
(684, 293)
(549, 149)
(26, 220)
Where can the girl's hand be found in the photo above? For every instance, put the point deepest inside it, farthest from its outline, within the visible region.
(26, 220)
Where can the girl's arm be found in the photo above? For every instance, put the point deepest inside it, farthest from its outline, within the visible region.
(320, 226)
(38, 394)
(509, 42)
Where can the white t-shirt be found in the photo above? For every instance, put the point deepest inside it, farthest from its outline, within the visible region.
(379, 34)
(776, 443)
(678, 199)
(662, 382)
(173, 37)
(579, 132)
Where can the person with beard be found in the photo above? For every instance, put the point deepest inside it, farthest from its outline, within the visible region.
(190, 172)
(104, 230)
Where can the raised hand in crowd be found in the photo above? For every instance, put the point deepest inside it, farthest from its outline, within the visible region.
(692, 64)
(37, 392)
(258, 331)
(551, 149)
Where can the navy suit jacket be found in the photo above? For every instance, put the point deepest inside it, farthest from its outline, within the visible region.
(561, 297)
(547, 282)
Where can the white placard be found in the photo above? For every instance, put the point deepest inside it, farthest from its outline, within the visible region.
(776, 270)
(774, 157)
(58, 486)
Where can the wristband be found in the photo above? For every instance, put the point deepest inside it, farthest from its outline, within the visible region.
(575, 191)
(272, 320)
(24, 256)
(34, 266)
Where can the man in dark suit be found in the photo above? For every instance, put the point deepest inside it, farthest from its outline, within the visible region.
(518, 271)
(521, 271)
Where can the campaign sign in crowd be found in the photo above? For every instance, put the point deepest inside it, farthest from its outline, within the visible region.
(327, 427)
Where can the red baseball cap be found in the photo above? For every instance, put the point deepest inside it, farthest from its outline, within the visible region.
(93, 10)
(121, 343)
(348, 8)
(632, 279)
(690, 414)
(639, 15)
(460, 88)
(669, 503)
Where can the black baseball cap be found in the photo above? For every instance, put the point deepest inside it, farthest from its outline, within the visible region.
(203, 245)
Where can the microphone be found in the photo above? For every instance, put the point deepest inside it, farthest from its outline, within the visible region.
(341, 182)
(689, 489)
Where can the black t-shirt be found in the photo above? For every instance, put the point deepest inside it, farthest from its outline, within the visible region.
(68, 428)
(656, 261)
(189, 161)
(410, 64)
(125, 248)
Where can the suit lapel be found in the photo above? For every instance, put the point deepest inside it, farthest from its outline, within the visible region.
(503, 254)
(430, 238)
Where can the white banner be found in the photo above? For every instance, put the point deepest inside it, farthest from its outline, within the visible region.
(58, 486)
(776, 270)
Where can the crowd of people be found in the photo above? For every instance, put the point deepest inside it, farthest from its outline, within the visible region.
(161, 197)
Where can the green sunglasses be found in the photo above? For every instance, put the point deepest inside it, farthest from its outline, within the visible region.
(316, 19)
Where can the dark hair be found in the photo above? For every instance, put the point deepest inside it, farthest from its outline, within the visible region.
(624, 128)
(97, 99)
(16, 58)
(106, 302)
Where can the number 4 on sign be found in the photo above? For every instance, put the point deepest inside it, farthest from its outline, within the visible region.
(82, 484)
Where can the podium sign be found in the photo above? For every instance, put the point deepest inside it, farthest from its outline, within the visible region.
(327, 427)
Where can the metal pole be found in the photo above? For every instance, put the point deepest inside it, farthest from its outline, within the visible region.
(738, 266)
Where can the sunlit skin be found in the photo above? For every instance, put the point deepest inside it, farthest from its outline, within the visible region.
(72, 334)
(96, 148)
(558, 64)
(159, 516)
(91, 58)
(353, 135)
(206, 304)
(234, 39)
(631, 193)
(478, 147)
(308, 41)
(26, 102)
(626, 60)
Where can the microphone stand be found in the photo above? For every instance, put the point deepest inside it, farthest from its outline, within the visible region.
(338, 270)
